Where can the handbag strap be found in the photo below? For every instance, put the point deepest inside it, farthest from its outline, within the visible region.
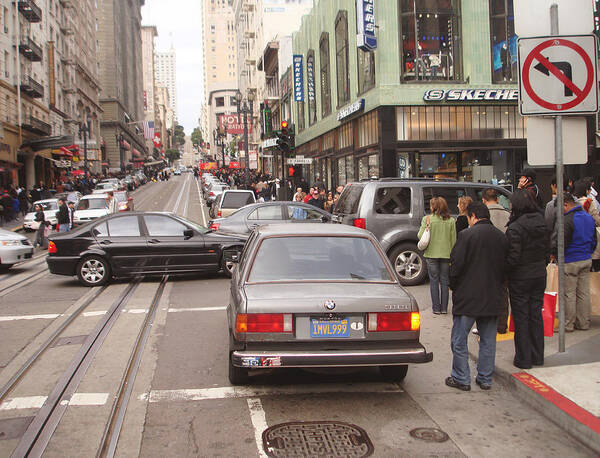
(428, 221)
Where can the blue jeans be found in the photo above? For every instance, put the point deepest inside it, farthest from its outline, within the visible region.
(63, 228)
(439, 277)
(487, 348)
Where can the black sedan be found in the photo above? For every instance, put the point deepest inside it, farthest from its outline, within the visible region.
(124, 245)
(247, 218)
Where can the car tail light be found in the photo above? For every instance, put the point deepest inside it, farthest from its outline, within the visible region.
(214, 227)
(394, 321)
(219, 214)
(360, 223)
(52, 247)
(211, 194)
(264, 322)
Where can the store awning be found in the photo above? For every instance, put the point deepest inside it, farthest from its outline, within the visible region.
(48, 143)
(155, 163)
(137, 154)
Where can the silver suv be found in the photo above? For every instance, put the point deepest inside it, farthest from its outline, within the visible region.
(392, 209)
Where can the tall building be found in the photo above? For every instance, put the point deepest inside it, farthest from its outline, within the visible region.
(120, 60)
(220, 63)
(149, 33)
(165, 67)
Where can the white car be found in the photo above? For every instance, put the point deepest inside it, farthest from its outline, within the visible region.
(104, 187)
(50, 207)
(13, 248)
(91, 207)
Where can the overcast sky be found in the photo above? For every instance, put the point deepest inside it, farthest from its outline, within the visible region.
(179, 22)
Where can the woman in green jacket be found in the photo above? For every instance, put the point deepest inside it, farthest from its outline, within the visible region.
(442, 228)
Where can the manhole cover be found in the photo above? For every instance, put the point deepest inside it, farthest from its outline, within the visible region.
(316, 438)
(429, 434)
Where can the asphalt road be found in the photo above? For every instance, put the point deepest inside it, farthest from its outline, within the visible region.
(181, 402)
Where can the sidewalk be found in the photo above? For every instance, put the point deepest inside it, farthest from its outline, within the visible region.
(14, 225)
(567, 388)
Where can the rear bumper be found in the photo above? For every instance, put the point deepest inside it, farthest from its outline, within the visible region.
(416, 353)
(62, 265)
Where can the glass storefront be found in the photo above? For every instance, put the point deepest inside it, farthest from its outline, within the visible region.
(368, 167)
(504, 41)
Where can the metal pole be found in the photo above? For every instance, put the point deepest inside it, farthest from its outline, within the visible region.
(85, 157)
(560, 200)
(246, 161)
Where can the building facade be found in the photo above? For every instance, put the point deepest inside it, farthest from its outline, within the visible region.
(437, 97)
(120, 61)
(165, 67)
(149, 33)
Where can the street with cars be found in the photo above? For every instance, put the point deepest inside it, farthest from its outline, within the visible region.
(142, 345)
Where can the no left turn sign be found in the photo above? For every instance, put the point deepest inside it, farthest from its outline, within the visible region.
(557, 75)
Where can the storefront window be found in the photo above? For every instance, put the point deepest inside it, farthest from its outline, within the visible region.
(345, 167)
(366, 70)
(496, 167)
(504, 41)
(310, 85)
(367, 129)
(325, 75)
(430, 40)
(368, 167)
(341, 58)
(345, 135)
(438, 165)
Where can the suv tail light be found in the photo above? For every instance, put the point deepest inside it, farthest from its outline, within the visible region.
(52, 247)
(394, 321)
(264, 322)
(214, 227)
(219, 214)
(360, 223)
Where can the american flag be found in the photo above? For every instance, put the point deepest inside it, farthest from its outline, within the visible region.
(149, 130)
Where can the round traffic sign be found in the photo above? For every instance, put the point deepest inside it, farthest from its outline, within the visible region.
(536, 54)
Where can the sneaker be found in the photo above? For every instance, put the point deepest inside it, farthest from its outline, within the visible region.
(475, 331)
(483, 386)
(451, 382)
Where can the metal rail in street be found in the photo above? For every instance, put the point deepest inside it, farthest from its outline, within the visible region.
(21, 282)
(40, 431)
(110, 438)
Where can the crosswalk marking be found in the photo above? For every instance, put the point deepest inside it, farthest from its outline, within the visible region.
(36, 402)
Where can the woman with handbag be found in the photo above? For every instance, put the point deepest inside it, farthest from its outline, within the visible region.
(39, 221)
(437, 237)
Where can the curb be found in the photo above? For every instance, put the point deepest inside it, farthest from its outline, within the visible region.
(551, 411)
(16, 229)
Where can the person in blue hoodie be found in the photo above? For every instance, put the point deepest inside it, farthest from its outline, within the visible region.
(580, 243)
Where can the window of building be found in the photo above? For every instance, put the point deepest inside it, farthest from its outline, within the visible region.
(325, 75)
(301, 120)
(367, 129)
(504, 41)
(430, 39)
(345, 169)
(345, 136)
(310, 88)
(368, 167)
(341, 58)
(220, 101)
(366, 70)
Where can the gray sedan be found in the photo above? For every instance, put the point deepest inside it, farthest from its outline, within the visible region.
(247, 218)
(319, 295)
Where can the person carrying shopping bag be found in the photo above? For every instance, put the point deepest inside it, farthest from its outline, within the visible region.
(442, 237)
(40, 223)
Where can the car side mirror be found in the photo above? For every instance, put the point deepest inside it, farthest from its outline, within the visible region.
(231, 256)
(188, 233)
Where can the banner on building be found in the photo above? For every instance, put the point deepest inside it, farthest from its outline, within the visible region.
(298, 79)
(233, 124)
(365, 25)
(253, 160)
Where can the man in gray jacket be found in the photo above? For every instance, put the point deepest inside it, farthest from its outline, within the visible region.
(499, 217)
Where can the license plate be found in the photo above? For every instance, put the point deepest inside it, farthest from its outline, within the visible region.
(329, 329)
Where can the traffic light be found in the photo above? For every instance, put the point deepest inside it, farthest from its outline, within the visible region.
(283, 138)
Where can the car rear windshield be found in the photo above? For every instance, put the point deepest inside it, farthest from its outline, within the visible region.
(349, 200)
(318, 259)
(237, 199)
(92, 204)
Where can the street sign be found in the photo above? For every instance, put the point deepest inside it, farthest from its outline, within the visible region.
(541, 141)
(557, 75)
(532, 18)
(300, 161)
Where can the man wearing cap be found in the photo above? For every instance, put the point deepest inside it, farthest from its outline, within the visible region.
(527, 182)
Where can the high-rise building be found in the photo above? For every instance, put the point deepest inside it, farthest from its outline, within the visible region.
(149, 81)
(166, 74)
(120, 59)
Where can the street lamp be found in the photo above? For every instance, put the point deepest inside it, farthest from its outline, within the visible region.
(245, 107)
(219, 135)
(84, 128)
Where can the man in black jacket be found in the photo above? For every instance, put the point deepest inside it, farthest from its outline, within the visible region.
(62, 216)
(476, 279)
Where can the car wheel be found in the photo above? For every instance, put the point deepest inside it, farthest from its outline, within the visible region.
(394, 373)
(237, 375)
(93, 271)
(409, 264)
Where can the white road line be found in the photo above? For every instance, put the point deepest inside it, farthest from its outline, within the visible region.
(228, 392)
(259, 422)
(178, 201)
(36, 402)
(201, 204)
(187, 196)
(50, 316)
(197, 309)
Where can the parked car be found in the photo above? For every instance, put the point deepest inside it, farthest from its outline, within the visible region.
(69, 196)
(251, 216)
(392, 209)
(230, 201)
(124, 201)
(125, 245)
(91, 207)
(103, 188)
(177, 172)
(129, 183)
(319, 295)
(13, 248)
(50, 208)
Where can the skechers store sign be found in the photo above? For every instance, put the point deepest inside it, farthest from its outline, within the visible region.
(471, 95)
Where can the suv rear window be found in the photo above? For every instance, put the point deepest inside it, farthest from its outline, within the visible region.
(450, 193)
(237, 199)
(476, 193)
(349, 200)
(393, 201)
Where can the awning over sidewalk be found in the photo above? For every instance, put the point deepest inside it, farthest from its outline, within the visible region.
(154, 163)
(48, 143)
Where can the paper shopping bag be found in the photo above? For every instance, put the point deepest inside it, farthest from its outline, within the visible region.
(552, 278)
(548, 313)
(595, 292)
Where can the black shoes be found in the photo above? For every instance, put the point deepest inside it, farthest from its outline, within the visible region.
(451, 382)
(483, 386)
